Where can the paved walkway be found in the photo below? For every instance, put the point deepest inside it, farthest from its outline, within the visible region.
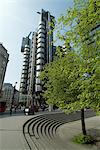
(11, 136)
(67, 131)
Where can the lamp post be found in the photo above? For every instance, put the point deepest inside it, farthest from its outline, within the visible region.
(12, 100)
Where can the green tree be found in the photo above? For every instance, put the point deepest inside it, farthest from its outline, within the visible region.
(64, 80)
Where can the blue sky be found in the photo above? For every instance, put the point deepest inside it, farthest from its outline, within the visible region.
(17, 19)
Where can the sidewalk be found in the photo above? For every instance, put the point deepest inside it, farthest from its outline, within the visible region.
(67, 131)
(11, 135)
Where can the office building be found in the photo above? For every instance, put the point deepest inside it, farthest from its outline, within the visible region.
(37, 51)
(8, 91)
(3, 64)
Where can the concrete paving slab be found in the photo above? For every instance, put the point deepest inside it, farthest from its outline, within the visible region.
(67, 131)
(11, 135)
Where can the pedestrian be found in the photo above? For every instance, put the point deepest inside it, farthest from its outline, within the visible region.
(15, 109)
(11, 111)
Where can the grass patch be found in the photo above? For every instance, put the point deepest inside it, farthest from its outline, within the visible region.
(83, 139)
(98, 113)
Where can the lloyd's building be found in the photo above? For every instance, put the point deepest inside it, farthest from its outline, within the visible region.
(37, 51)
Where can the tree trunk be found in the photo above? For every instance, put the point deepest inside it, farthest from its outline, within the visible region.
(83, 122)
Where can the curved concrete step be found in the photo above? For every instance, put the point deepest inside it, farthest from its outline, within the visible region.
(32, 125)
(33, 132)
(40, 130)
(28, 137)
(25, 126)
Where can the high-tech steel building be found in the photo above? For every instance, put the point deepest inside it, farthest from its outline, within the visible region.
(37, 51)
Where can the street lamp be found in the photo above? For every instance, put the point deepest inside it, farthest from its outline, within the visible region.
(12, 100)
